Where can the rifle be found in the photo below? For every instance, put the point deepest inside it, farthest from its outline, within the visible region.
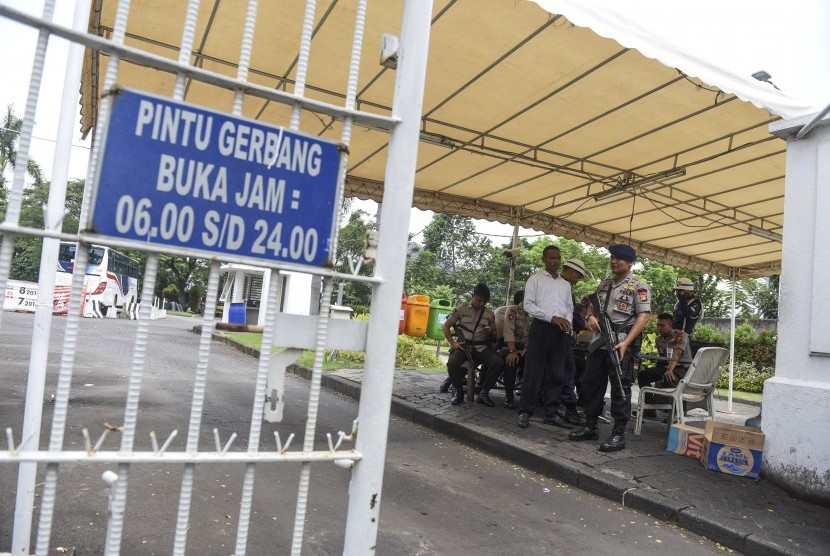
(607, 340)
(459, 332)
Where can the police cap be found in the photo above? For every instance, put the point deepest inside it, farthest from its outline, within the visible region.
(623, 251)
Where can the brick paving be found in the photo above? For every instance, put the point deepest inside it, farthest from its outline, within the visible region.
(754, 517)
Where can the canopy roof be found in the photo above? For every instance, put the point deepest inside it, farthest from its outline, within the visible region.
(527, 118)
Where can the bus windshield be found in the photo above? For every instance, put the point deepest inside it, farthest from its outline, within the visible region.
(66, 254)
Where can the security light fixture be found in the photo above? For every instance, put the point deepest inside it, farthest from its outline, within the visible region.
(764, 233)
(439, 140)
(764, 77)
(637, 182)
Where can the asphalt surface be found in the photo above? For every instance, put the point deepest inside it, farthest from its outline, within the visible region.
(751, 516)
(440, 496)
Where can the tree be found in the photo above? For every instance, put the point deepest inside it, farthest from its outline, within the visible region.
(26, 261)
(9, 134)
(351, 246)
(187, 274)
(455, 241)
(760, 298)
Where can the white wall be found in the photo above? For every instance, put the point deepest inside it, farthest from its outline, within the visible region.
(796, 411)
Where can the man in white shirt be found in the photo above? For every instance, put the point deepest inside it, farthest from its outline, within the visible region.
(549, 301)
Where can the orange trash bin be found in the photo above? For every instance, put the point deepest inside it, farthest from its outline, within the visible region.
(417, 315)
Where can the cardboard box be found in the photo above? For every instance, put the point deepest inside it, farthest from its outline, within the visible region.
(685, 440)
(733, 449)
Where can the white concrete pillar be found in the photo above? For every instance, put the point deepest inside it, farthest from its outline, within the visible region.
(264, 301)
(797, 400)
(239, 287)
(298, 293)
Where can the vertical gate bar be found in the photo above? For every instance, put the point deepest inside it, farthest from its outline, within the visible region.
(82, 253)
(270, 316)
(49, 261)
(245, 54)
(373, 414)
(196, 408)
(325, 309)
(24, 500)
(186, 46)
(256, 416)
(115, 527)
(311, 419)
(302, 62)
(308, 440)
(200, 379)
(15, 194)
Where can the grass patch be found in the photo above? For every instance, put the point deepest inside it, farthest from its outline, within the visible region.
(410, 355)
(740, 395)
(183, 313)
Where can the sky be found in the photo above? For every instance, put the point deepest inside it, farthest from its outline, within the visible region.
(789, 40)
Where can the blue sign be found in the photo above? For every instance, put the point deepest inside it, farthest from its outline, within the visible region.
(178, 175)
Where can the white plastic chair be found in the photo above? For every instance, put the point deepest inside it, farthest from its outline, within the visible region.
(698, 384)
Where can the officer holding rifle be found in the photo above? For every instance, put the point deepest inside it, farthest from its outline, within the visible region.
(623, 302)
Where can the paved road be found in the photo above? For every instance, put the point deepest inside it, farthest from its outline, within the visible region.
(440, 497)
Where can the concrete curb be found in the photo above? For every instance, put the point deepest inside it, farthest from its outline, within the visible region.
(606, 485)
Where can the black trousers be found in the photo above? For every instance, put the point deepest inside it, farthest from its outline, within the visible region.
(655, 374)
(569, 397)
(598, 371)
(544, 367)
(510, 372)
(493, 366)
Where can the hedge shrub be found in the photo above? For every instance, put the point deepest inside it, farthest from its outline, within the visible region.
(412, 353)
(754, 354)
(746, 377)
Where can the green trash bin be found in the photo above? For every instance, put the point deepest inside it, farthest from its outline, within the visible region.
(439, 310)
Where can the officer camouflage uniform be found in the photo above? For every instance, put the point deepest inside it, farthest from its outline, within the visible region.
(476, 328)
(625, 300)
(687, 310)
(516, 328)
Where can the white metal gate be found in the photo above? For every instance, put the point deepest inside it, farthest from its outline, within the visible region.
(366, 458)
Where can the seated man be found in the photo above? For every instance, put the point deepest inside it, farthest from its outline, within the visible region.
(671, 343)
(500, 313)
(498, 344)
(475, 324)
(516, 326)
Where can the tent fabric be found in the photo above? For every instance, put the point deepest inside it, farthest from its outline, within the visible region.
(609, 18)
(527, 119)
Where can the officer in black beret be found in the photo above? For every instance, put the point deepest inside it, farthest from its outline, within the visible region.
(627, 301)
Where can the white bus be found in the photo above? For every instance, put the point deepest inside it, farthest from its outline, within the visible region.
(111, 278)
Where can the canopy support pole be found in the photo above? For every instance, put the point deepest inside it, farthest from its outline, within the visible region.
(513, 245)
(732, 343)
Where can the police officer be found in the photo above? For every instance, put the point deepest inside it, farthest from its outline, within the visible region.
(672, 343)
(477, 324)
(688, 309)
(516, 327)
(627, 301)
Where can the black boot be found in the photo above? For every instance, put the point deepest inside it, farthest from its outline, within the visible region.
(484, 399)
(588, 432)
(445, 386)
(458, 398)
(616, 441)
(573, 417)
(508, 400)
